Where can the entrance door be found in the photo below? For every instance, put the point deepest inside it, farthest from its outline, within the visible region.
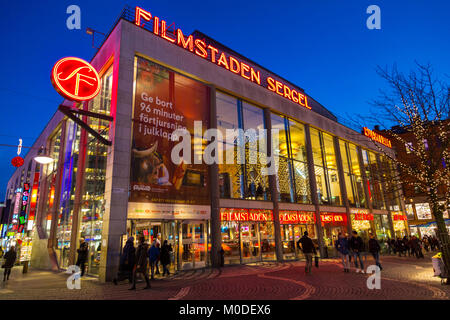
(299, 229)
(250, 248)
(194, 244)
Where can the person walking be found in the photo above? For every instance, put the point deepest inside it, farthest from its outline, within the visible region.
(308, 248)
(343, 248)
(153, 257)
(165, 257)
(127, 262)
(10, 259)
(399, 245)
(141, 263)
(374, 249)
(357, 246)
(82, 256)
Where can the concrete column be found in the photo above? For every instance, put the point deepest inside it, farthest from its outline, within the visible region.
(273, 190)
(337, 151)
(213, 171)
(117, 178)
(313, 187)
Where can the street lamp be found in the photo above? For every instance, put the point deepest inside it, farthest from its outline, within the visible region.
(42, 157)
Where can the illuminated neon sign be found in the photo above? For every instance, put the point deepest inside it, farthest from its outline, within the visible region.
(246, 215)
(295, 217)
(377, 137)
(333, 218)
(207, 51)
(363, 216)
(75, 79)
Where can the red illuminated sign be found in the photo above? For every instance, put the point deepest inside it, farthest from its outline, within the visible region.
(377, 137)
(399, 217)
(246, 215)
(75, 79)
(339, 218)
(17, 161)
(214, 55)
(296, 217)
(364, 216)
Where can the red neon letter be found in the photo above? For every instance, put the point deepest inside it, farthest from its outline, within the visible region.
(271, 84)
(163, 32)
(255, 76)
(234, 62)
(182, 43)
(287, 92)
(213, 53)
(279, 86)
(244, 68)
(156, 25)
(223, 60)
(141, 13)
(202, 47)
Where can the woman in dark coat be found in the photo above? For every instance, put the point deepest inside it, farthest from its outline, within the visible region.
(165, 257)
(10, 259)
(127, 262)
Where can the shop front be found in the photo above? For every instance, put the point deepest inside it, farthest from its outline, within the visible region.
(247, 235)
(362, 222)
(185, 227)
(293, 224)
(399, 222)
(332, 223)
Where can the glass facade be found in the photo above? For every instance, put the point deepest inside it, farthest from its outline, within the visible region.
(292, 171)
(352, 175)
(372, 175)
(240, 168)
(325, 168)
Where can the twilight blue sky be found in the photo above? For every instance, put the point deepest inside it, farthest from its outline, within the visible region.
(322, 45)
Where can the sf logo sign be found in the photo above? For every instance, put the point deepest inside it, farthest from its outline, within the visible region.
(75, 79)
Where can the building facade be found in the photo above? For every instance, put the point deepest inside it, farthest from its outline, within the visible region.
(155, 80)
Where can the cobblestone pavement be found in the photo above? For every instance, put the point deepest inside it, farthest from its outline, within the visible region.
(402, 278)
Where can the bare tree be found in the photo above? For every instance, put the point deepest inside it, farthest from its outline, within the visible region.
(418, 104)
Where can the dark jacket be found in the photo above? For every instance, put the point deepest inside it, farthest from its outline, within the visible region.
(10, 259)
(165, 254)
(153, 253)
(356, 244)
(342, 246)
(141, 257)
(307, 245)
(374, 246)
(128, 258)
(83, 252)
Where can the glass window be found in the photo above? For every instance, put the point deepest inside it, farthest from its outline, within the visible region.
(325, 168)
(240, 171)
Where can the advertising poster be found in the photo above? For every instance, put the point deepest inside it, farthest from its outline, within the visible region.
(166, 101)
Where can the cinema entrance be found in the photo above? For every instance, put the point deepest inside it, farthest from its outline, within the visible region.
(247, 235)
(293, 224)
(186, 229)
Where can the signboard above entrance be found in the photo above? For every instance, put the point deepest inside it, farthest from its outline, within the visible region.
(211, 52)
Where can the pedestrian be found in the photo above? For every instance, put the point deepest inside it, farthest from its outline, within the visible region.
(399, 245)
(357, 246)
(82, 256)
(374, 249)
(308, 248)
(406, 246)
(394, 246)
(10, 259)
(127, 262)
(165, 257)
(141, 263)
(344, 250)
(153, 257)
(414, 244)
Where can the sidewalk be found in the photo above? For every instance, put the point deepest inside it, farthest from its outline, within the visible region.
(402, 278)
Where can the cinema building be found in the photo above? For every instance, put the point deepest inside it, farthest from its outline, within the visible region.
(121, 182)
